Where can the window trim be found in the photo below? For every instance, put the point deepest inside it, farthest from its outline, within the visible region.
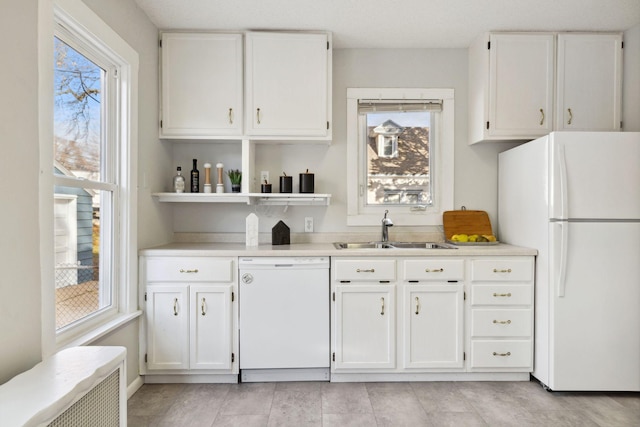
(443, 172)
(82, 22)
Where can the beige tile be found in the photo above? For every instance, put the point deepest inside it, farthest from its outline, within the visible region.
(241, 420)
(403, 419)
(296, 408)
(456, 419)
(441, 397)
(348, 420)
(345, 398)
(247, 403)
(197, 406)
(154, 399)
(394, 397)
(562, 418)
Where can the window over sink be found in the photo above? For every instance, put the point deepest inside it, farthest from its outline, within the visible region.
(400, 147)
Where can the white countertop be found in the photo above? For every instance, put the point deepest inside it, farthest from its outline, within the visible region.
(325, 249)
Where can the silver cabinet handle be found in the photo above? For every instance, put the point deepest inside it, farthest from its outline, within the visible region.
(370, 270)
(175, 306)
(541, 117)
(502, 322)
(202, 307)
(230, 116)
(434, 270)
(382, 308)
(508, 295)
(258, 115)
(417, 305)
(570, 116)
(188, 271)
(508, 270)
(508, 353)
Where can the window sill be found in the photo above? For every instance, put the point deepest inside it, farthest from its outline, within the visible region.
(102, 330)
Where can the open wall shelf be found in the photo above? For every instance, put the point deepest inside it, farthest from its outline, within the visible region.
(279, 199)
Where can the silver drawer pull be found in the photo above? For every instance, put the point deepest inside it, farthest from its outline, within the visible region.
(188, 271)
(175, 306)
(434, 270)
(370, 270)
(202, 307)
(508, 295)
(508, 353)
(417, 305)
(502, 322)
(382, 309)
(495, 270)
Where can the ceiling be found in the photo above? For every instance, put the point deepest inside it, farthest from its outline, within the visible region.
(395, 23)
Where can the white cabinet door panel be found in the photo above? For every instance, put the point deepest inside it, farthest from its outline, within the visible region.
(210, 332)
(167, 322)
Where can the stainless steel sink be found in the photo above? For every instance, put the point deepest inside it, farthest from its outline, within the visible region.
(392, 245)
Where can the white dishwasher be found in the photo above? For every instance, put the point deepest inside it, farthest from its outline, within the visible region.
(284, 319)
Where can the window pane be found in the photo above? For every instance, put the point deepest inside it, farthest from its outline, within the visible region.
(82, 214)
(398, 148)
(82, 287)
(78, 90)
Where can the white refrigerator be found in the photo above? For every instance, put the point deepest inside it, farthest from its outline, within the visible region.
(575, 197)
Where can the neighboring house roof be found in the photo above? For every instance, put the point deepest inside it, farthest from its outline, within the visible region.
(387, 128)
(413, 153)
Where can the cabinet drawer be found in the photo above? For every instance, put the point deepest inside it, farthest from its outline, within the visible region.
(365, 270)
(501, 354)
(502, 270)
(434, 269)
(501, 295)
(189, 269)
(501, 323)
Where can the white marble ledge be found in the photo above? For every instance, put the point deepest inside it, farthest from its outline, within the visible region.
(326, 249)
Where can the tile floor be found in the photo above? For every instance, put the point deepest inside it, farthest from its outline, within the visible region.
(377, 404)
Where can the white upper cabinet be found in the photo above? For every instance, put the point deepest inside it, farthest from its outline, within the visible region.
(202, 87)
(511, 86)
(525, 85)
(288, 85)
(589, 82)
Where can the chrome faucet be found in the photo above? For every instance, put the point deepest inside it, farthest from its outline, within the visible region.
(386, 223)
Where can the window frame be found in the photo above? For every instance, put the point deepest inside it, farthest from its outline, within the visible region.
(441, 164)
(71, 18)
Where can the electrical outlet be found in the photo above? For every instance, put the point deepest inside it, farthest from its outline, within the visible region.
(264, 177)
(308, 224)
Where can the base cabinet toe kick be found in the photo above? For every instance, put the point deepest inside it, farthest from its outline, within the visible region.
(215, 319)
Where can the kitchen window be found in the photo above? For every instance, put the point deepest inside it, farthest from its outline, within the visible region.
(401, 144)
(94, 91)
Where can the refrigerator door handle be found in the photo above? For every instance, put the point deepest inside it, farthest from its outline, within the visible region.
(562, 271)
(564, 191)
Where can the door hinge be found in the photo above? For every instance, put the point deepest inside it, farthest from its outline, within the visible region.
(233, 357)
(333, 357)
(233, 297)
(145, 358)
(487, 125)
(334, 296)
(161, 124)
(488, 45)
(622, 45)
(327, 125)
(145, 296)
(464, 295)
(327, 45)
(620, 124)
(464, 356)
(160, 43)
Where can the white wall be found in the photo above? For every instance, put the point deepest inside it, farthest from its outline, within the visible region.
(475, 167)
(20, 242)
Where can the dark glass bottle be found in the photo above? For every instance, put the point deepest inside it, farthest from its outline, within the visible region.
(195, 177)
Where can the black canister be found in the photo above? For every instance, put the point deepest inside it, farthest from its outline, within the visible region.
(306, 182)
(265, 188)
(286, 184)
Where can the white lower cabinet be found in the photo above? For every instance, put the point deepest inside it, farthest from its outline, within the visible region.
(365, 337)
(191, 316)
(501, 326)
(451, 317)
(433, 326)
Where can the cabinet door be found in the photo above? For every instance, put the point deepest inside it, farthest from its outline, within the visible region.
(364, 327)
(287, 84)
(168, 324)
(210, 333)
(521, 85)
(201, 85)
(433, 326)
(589, 82)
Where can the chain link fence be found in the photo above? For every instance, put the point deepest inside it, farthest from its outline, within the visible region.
(77, 292)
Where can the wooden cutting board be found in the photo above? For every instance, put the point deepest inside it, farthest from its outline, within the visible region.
(466, 222)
